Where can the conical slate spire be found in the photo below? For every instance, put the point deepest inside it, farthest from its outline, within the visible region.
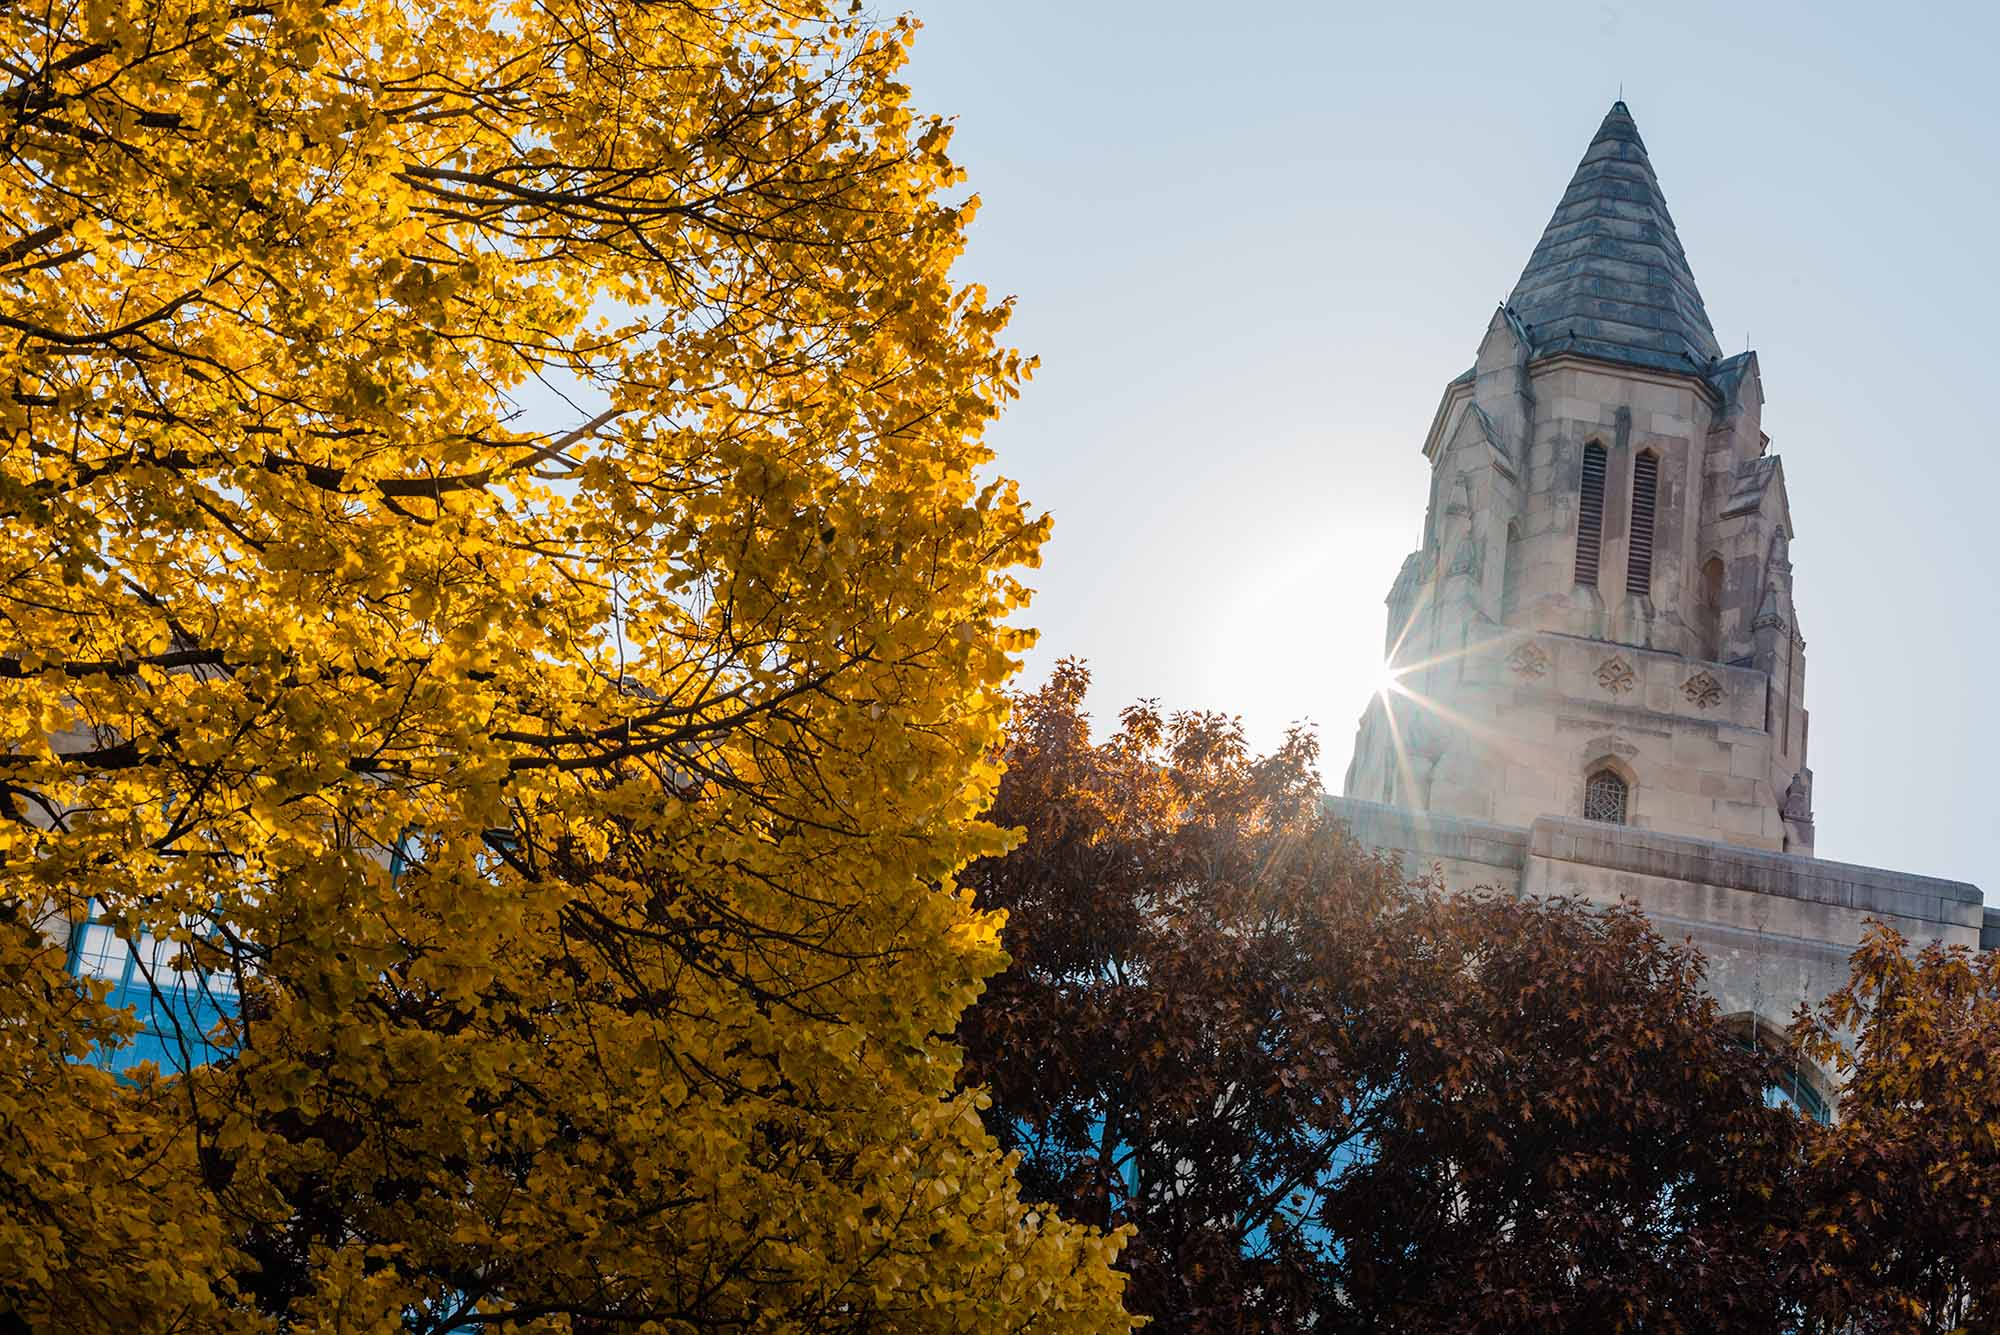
(1609, 278)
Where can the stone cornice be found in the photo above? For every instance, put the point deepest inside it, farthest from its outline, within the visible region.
(1558, 360)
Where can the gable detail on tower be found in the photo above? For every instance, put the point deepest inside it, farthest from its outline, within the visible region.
(1475, 425)
(1747, 483)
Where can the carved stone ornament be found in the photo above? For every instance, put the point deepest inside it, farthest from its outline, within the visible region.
(1528, 662)
(1615, 676)
(1704, 691)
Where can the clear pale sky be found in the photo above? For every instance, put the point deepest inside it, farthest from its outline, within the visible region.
(1251, 244)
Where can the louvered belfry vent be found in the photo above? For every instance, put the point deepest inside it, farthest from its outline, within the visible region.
(1590, 514)
(1645, 499)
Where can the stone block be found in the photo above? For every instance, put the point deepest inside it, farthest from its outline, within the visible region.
(1747, 760)
(1745, 701)
(1651, 400)
(1902, 898)
(1680, 778)
(1590, 413)
(1694, 746)
(1740, 818)
(1725, 786)
(1689, 809)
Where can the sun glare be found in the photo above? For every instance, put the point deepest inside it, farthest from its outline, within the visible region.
(1388, 679)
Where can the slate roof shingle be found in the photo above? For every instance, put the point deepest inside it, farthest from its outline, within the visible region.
(1609, 278)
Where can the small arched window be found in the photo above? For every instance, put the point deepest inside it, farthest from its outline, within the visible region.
(1645, 503)
(1604, 797)
(1590, 514)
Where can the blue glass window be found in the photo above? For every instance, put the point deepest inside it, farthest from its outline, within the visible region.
(1792, 1091)
(178, 1008)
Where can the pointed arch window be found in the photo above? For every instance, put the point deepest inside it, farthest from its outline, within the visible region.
(1590, 514)
(1645, 501)
(1604, 797)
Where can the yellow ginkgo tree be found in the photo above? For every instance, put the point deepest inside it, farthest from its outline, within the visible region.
(498, 579)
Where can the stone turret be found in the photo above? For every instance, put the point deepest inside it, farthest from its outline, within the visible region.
(1600, 679)
(1604, 585)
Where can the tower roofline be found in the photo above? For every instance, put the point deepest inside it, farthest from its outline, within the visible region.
(1719, 384)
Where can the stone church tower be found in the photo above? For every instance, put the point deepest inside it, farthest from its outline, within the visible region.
(1599, 675)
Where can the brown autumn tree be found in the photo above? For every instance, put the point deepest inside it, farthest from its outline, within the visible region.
(1564, 1136)
(1900, 1226)
(1178, 921)
(1329, 1099)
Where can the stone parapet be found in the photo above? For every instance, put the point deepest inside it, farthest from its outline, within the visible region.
(1949, 905)
(1776, 928)
(1471, 852)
